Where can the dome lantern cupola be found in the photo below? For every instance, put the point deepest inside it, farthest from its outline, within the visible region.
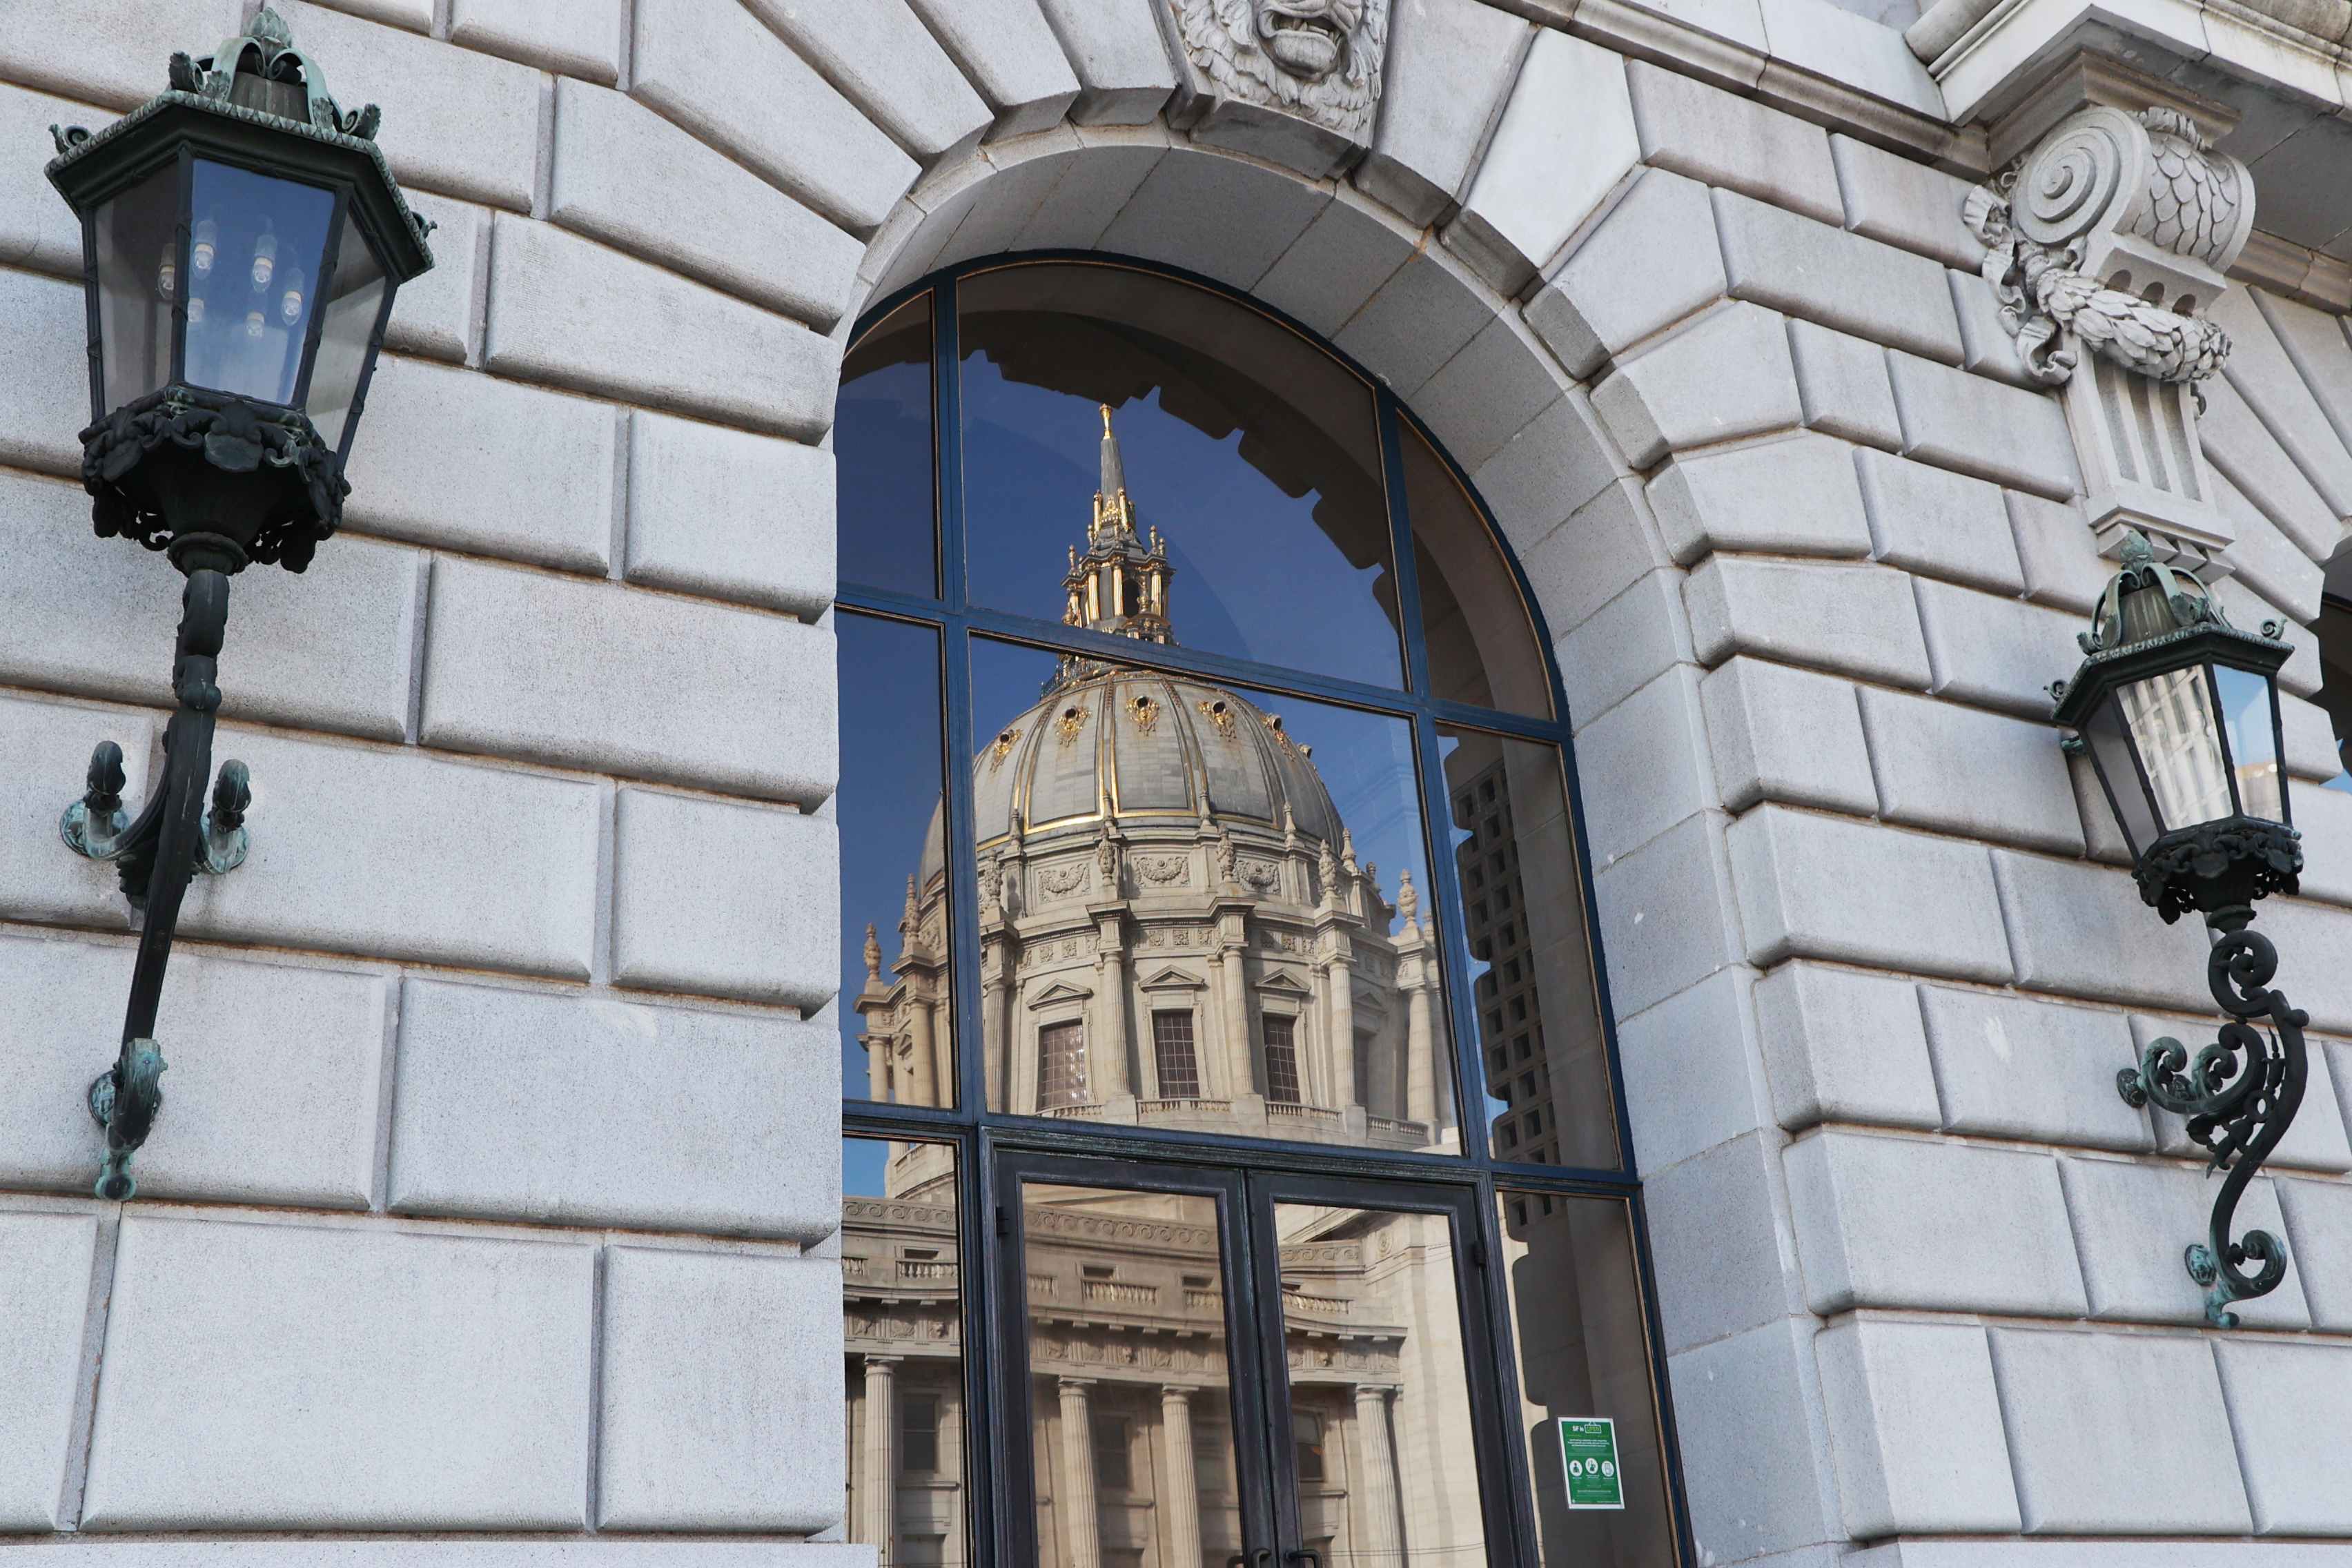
(1121, 583)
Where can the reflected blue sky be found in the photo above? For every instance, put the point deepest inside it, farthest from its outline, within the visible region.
(863, 1160)
(882, 449)
(890, 783)
(1256, 576)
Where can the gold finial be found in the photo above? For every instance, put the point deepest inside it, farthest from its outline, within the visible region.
(1106, 413)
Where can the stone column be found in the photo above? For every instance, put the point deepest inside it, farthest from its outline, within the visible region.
(1239, 1054)
(878, 1048)
(924, 1087)
(1340, 976)
(1109, 1064)
(1379, 1526)
(1075, 1509)
(1180, 1501)
(1419, 1054)
(877, 1512)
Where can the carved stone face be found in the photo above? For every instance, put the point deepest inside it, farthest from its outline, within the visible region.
(1308, 38)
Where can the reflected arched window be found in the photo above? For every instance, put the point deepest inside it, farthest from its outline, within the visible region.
(1205, 785)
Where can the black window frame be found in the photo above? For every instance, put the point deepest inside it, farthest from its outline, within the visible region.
(979, 1134)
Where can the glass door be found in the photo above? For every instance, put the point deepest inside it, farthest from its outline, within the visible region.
(1220, 1369)
(1384, 1415)
(1133, 1425)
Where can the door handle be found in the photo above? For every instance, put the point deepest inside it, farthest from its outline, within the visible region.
(1307, 1551)
(1255, 1558)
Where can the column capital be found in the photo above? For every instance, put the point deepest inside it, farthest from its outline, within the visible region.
(1076, 1384)
(1172, 1392)
(873, 1360)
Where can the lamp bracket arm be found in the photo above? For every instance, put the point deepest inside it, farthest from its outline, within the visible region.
(2240, 1097)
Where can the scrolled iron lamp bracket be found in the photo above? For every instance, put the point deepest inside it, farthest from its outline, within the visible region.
(2176, 711)
(2240, 1096)
(155, 855)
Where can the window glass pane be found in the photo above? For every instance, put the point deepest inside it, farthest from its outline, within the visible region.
(895, 950)
(1156, 846)
(252, 263)
(1250, 452)
(1130, 1419)
(903, 1320)
(1380, 1435)
(1543, 1055)
(1584, 1356)
(2171, 719)
(1175, 1058)
(1482, 647)
(2111, 756)
(138, 279)
(354, 302)
(2253, 747)
(882, 450)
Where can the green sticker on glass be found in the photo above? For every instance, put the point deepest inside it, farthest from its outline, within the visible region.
(1588, 1454)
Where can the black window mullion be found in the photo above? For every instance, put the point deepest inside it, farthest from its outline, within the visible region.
(1400, 551)
(1453, 943)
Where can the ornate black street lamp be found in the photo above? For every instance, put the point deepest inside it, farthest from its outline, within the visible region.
(2178, 711)
(242, 239)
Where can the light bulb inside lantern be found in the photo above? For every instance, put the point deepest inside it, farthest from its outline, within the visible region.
(289, 304)
(167, 278)
(265, 259)
(253, 324)
(196, 311)
(201, 256)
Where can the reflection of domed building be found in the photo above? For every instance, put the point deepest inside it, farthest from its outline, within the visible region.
(1175, 928)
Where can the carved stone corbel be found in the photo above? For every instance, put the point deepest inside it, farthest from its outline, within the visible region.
(1293, 81)
(2108, 239)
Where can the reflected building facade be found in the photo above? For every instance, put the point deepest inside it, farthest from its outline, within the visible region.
(1175, 928)
(1132, 1421)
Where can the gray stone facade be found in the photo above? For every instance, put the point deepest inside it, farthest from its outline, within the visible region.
(457, 1243)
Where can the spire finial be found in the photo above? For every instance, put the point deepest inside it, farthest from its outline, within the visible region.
(873, 957)
(1114, 472)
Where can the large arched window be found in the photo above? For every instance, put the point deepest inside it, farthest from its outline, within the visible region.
(1217, 978)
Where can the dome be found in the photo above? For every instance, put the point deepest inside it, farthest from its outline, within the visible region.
(1145, 749)
(1130, 745)
(1137, 745)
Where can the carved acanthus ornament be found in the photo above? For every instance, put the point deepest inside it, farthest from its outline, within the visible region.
(2109, 239)
(2113, 234)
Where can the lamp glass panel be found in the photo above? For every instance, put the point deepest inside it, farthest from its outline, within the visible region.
(2246, 700)
(2111, 748)
(2172, 722)
(138, 281)
(354, 300)
(253, 270)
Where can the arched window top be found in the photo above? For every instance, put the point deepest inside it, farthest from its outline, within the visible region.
(1250, 739)
(1252, 462)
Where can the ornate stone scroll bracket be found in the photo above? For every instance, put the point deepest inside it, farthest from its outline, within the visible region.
(2240, 1096)
(2107, 239)
(1296, 82)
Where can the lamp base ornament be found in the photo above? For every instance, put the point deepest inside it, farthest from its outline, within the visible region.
(2226, 863)
(2240, 1097)
(266, 486)
(155, 855)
